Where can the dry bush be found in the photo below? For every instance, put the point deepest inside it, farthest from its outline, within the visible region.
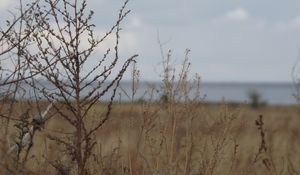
(173, 135)
(54, 43)
(181, 134)
(14, 37)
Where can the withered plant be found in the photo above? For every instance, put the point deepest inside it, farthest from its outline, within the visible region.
(61, 46)
(165, 142)
(14, 39)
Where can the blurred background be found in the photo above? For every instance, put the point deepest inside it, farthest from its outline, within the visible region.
(237, 47)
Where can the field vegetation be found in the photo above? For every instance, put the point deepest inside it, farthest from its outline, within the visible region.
(61, 130)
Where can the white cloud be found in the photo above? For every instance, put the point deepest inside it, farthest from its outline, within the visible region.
(5, 3)
(134, 36)
(239, 14)
(287, 25)
(295, 22)
(135, 22)
(240, 18)
(128, 41)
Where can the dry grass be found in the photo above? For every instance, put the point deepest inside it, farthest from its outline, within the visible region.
(143, 138)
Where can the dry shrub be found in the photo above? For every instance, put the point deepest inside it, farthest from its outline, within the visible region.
(54, 43)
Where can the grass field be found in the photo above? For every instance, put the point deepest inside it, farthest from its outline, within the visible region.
(176, 138)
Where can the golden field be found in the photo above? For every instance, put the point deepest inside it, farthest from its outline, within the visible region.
(172, 138)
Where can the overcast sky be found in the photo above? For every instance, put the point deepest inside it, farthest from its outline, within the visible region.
(230, 40)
